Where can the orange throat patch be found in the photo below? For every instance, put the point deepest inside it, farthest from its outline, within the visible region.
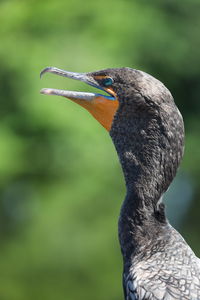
(101, 108)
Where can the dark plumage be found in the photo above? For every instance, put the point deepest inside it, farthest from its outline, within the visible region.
(148, 133)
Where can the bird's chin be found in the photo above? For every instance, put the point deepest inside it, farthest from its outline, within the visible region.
(102, 107)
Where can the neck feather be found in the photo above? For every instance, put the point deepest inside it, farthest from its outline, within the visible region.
(149, 153)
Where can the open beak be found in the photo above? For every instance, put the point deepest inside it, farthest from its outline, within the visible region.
(72, 94)
(102, 107)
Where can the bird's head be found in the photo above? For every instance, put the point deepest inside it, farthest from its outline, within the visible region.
(122, 86)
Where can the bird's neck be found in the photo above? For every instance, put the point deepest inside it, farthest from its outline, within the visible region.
(149, 163)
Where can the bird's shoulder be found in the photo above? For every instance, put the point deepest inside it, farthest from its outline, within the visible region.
(169, 274)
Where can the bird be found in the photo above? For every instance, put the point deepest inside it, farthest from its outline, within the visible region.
(147, 130)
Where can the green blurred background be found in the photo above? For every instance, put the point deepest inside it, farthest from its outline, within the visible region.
(61, 185)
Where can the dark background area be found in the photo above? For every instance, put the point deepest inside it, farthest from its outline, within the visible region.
(61, 184)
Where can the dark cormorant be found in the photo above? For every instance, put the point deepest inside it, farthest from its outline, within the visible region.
(148, 132)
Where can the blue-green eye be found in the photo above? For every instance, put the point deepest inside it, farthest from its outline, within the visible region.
(107, 81)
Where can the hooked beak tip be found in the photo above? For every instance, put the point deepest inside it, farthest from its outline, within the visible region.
(48, 69)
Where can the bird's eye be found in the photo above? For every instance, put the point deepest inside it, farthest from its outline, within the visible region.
(107, 81)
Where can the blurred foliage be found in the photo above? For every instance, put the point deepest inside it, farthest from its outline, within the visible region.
(61, 185)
